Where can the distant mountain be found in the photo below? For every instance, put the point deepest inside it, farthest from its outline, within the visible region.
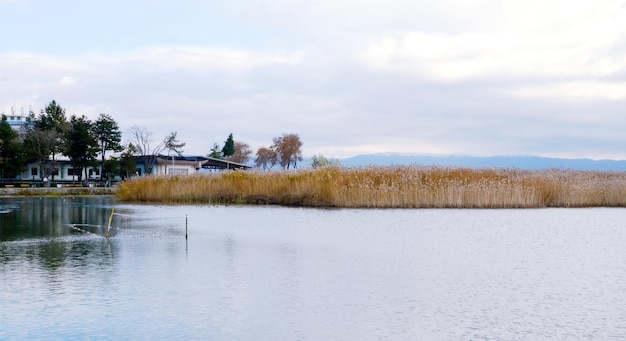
(521, 162)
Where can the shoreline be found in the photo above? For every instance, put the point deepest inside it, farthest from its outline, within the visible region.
(56, 191)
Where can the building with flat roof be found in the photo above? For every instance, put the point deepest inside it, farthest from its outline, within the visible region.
(16, 121)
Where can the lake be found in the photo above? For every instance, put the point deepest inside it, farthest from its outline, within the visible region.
(277, 273)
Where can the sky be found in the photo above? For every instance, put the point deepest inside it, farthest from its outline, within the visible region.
(446, 77)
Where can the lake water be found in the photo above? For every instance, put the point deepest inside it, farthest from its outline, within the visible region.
(275, 273)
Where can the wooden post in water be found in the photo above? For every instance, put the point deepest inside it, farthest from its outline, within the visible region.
(106, 235)
(186, 226)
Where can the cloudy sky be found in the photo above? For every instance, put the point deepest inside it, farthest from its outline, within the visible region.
(451, 77)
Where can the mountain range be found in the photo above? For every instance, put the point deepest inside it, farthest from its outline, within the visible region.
(520, 162)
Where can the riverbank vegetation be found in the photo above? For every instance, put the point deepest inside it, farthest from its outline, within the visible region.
(55, 192)
(387, 187)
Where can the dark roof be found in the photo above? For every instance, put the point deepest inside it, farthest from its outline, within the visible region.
(195, 158)
(213, 163)
(204, 161)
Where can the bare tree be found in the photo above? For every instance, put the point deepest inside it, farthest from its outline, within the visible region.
(288, 148)
(142, 141)
(242, 152)
(266, 158)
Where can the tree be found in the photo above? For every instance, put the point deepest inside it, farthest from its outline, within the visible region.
(37, 143)
(52, 120)
(229, 146)
(173, 145)
(266, 158)
(109, 137)
(82, 146)
(111, 169)
(320, 161)
(242, 152)
(11, 156)
(128, 164)
(44, 136)
(215, 152)
(143, 140)
(288, 149)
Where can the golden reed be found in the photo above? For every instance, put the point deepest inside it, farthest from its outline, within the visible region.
(387, 187)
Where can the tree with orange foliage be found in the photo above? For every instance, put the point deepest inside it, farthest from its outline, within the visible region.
(266, 158)
(241, 153)
(288, 148)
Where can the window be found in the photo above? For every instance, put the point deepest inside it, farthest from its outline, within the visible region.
(177, 171)
(73, 171)
(94, 172)
(34, 171)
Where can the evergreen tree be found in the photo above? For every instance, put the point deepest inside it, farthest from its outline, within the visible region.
(82, 147)
(52, 120)
(38, 143)
(108, 134)
(128, 163)
(111, 168)
(229, 146)
(11, 155)
(172, 144)
(215, 152)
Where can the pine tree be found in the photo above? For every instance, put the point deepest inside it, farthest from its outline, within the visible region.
(229, 146)
(11, 160)
(109, 137)
(82, 146)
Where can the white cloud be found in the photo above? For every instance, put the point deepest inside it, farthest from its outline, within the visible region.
(67, 80)
(475, 77)
(465, 57)
(199, 59)
(576, 90)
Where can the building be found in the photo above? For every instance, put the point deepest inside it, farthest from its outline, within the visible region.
(180, 165)
(62, 171)
(16, 121)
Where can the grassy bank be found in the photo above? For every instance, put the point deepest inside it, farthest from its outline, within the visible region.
(398, 186)
(54, 191)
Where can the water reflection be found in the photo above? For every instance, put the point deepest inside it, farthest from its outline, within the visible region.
(52, 255)
(273, 273)
(26, 218)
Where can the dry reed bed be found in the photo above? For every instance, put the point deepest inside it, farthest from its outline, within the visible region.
(394, 186)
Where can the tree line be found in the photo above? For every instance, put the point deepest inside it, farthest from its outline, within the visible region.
(46, 136)
(43, 138)
(285, 150)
